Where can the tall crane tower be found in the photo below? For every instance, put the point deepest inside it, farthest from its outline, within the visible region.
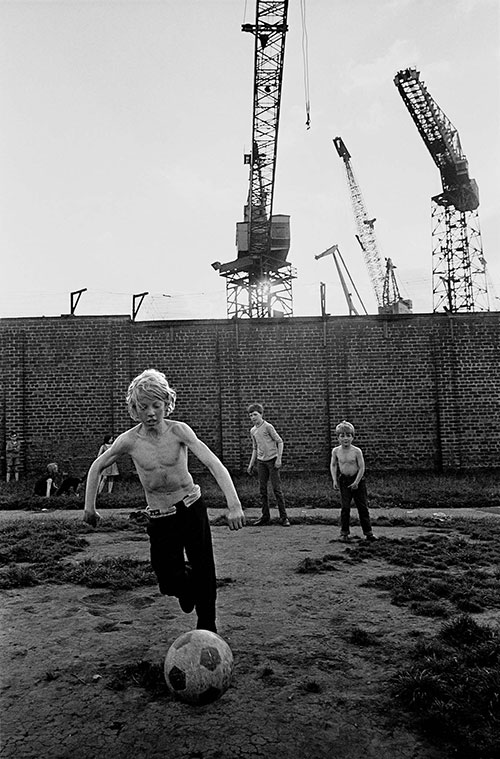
(383, 280)
(259, 281)
(459, 269)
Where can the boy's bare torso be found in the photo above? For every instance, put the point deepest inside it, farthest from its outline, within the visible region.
(160, 459)
(348, 459)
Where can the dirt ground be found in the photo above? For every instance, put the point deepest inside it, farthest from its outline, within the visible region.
(300, 690)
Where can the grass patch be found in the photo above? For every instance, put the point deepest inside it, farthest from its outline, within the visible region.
(28, 542)
(453, 688)
(441, 594)
(446, 574)
(436, 550)
(34, 551)
(327, 563)
(311, 686)
(302, 490)
(117, 573)
(18, 577)
(360, 637)
(142, 674)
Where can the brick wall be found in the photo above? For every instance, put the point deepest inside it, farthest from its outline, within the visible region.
(422, 390)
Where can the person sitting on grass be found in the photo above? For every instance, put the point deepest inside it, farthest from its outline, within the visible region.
(47, 485)
(347, 467)
(70, 485)
(178, 525)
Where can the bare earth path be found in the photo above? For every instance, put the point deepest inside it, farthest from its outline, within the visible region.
(301, 689)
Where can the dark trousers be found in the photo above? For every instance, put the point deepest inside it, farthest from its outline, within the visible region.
(173, 539)
(360, 498)
(268, 472)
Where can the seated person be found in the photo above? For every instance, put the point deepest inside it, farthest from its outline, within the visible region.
(69, 485)
(47, 485)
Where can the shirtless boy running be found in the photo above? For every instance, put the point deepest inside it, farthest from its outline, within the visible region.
(178, 525)
(347, 467)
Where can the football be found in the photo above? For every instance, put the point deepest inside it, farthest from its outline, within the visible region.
(198, 667)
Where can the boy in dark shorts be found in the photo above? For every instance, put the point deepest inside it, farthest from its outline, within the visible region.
(178, 525)
(347, 467)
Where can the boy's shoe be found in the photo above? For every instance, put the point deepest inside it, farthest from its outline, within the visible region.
(345, 537)
(261, 521)
(285, 522)
(370, 537)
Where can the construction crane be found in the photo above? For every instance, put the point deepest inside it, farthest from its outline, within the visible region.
(459, 270)
(259, 280)
(383, 280)
(338, 260)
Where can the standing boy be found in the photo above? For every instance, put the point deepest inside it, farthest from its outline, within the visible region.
(347, 467)
(178, 525)
(267, 449)
(13, 456)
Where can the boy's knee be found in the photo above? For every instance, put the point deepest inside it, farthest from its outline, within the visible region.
(168, 586)
(172, 585)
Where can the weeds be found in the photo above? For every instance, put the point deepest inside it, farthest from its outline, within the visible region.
(142, 674)
(438, 551)
(35, 551)
(18, 577)
(441, 594)
(311, 686)
(454, 688)
(360, 637)
(327, 563)
(23, 541)
(116, 573)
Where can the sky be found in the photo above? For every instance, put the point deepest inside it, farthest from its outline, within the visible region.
(123, 125)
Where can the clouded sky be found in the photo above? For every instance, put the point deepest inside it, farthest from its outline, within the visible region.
(124, 124)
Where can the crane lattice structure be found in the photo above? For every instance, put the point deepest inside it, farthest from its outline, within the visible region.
(259, 281)
(383, 280)
(459, 270)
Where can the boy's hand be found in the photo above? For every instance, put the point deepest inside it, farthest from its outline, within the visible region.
(277, 464)
(250, 469)
(91, 517)
(354, 486)
(335, 485)
(235, 518)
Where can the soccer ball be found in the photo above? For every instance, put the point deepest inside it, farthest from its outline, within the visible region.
(198, 667)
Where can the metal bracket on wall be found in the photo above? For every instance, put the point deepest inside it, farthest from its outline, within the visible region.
(136, 306)
(73, 302)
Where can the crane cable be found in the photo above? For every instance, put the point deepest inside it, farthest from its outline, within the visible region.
(305, 58)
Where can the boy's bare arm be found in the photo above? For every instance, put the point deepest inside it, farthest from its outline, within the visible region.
(253, 457)
(361, 468)
(280, 453)
(333, 468)
(235, 515)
